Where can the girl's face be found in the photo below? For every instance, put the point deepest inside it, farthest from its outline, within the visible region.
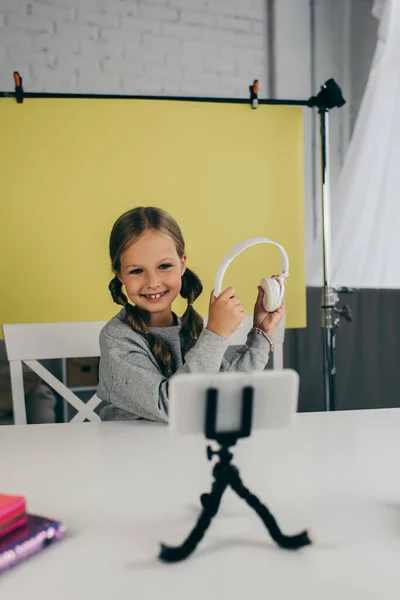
(151, 272)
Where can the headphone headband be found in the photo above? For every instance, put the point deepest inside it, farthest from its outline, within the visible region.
(238, 249)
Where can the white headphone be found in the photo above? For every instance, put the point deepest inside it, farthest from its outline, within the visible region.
(274, 287)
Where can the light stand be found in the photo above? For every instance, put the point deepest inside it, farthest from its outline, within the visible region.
(330, 96)
(225, 474)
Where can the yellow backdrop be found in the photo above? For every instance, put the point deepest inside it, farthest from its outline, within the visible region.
(70, 167)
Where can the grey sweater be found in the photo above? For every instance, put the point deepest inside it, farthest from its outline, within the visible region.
(131, 382)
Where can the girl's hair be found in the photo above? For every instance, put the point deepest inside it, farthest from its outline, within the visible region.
(128, 229)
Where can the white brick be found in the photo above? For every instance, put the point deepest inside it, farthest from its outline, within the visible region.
(90, 82)
(40, 58)
(164, 44)
(120, 36)
(200, 90)
(5, 84)
(54, 13)
(38, 71)
(218, 36)
(29, 24)
(99, 18)
(156, 2)
(200, 76)
(127, 8)
(173, 75)
(143, 86)
(253, 66)
(11, 39)
(139, 24)
(250, 41)
(218, 64)
(221, 8)
(184, 93)
(76, 32)
(70, 62)
(89, 4)
(186, 59)
(173, 59)
(131, 47)
(257, 59)
(3, 59)
(246, 11)
(240, 54)
(119, 67)
(229, 92)
(199, 48)
(198, 18)
(239, 83)
(171, 88)
(54, 44)
(145, 55)
(62, 84)
(234, 24)
(51, 80)
(158, 13)
(98, 49)
(195, 4)
(14, 6)
(129, 85)
(259, 28)
(181, 31)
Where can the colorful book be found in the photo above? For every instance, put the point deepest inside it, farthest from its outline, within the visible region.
(33, 537)
(12, 513)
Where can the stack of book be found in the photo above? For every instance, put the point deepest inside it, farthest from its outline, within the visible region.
(23, 534)
(12, 513)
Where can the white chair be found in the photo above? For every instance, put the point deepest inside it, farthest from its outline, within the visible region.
(28, 343)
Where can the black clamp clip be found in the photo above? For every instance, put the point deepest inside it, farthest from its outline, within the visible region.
(254, 94)
(19, 91)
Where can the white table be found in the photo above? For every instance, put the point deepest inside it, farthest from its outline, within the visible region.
(124, 487)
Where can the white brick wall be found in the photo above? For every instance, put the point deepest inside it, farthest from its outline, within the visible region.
(160, 47)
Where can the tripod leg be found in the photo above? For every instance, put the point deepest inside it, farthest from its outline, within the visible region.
(292, 542)
(210, 508)
(204, 498)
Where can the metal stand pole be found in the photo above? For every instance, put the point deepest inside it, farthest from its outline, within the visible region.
(330, 96)
(330, 318)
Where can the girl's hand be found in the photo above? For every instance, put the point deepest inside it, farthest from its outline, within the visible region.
(264, 320)
(225, 313)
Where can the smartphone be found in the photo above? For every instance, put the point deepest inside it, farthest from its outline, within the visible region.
(275, 400)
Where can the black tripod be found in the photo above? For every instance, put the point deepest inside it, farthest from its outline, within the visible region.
(225, 474)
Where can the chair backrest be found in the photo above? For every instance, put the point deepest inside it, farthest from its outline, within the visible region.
(31, 342)
(37, 341)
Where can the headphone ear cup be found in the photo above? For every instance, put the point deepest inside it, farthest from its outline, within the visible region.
(272, 292)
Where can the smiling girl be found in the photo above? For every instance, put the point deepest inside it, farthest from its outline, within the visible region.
(146, 343)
